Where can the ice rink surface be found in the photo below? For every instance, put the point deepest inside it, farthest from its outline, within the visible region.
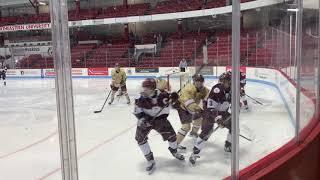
(105, 141)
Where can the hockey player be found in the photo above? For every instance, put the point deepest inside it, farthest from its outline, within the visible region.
(243, 101)
(3, 75)
(151, 110)
(119, 78)
(242, 90)
(189, 109)
(162, 84)
(215, 111)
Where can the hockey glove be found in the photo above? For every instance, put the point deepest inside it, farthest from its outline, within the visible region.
(174, 97)
(122, 83)
(163, 99)
(219, 121)
(223, 119)
(242, 92)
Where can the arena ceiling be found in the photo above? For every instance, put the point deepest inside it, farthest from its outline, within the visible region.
(310, 4)
(4, 3)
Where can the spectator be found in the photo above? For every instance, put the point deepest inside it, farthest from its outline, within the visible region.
(155, 38)
(183, 65)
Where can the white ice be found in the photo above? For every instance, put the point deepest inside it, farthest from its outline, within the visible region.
(106, 145)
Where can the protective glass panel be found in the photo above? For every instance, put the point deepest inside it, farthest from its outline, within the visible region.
(29, 125)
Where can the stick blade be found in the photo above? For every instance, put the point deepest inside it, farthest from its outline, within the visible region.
(97, 111)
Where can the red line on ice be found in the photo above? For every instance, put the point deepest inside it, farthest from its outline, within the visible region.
(29, 146)
(89, 151)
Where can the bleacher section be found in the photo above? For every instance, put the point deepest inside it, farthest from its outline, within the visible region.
(108, 55)
(256, 49)
(174, 50)
(78, 58)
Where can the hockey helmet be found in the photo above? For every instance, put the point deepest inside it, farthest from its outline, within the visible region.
(198, 77)
(226, 76)
(149, 83)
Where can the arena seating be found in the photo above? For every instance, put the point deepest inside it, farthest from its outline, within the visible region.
(253, 51)
(108, 55)
(175, 49)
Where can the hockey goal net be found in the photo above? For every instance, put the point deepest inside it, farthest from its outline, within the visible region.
(177, 80)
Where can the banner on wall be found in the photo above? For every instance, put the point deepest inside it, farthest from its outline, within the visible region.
(75, 72)
(146, 70)
(11, 72)
(25, 51)
(98, 71)
(23, 73)
(24, 27)
(129, 71)
(261, 74)
(206, 70)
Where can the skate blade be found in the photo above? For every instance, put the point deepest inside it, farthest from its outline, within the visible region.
(151, 171)
(181, 159)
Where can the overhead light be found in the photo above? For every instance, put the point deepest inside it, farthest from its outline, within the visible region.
(293, 10)
(42, 3)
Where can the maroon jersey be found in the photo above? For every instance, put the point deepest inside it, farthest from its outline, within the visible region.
(154, 112)
(219, 98)
(242, 79)
(151, 107)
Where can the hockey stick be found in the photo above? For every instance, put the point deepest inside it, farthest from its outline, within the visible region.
(245, 137)
(228, 119)
(254, 99)
(104, 103)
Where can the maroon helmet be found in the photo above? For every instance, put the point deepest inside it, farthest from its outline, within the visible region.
(149, 83)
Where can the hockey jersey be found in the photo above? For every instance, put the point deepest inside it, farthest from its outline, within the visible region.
(118, 77)
(190, 97)
(242, 79)
(219, 98)
(155, 106)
